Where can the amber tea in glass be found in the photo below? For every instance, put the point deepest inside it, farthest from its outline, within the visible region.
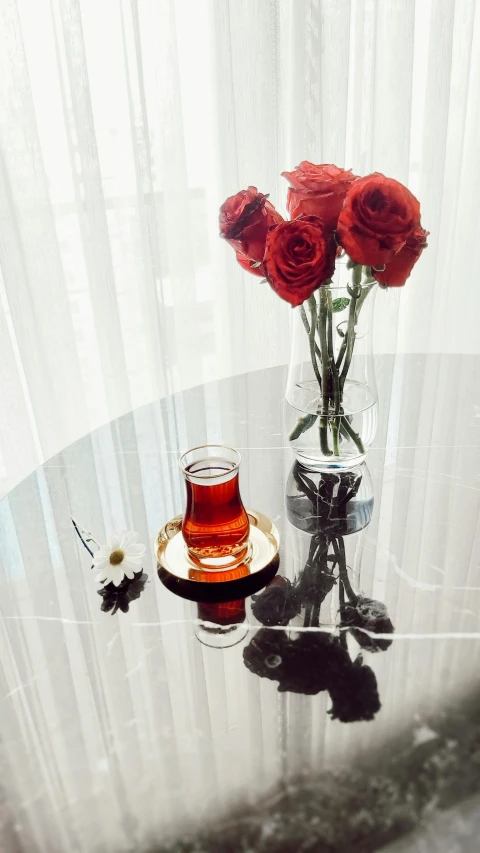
(215, 526)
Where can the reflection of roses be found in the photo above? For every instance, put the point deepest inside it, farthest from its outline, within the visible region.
(311, 664)
(299, 256)
(354, 693)
(244, 222)
(366, 614)
(397, 271)
(378, 217)
(318, 191)
(269, 655)
(299, 666)
(277, 604)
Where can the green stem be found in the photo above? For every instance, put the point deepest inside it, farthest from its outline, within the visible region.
(334, 375)
(359, 295)
(306, 421)
(356, 284)
(341, 351)
(311, 338)
(350, 334)
(352, 434)
(366, 288)
(322, 333)
(303, 315)
(301, 425)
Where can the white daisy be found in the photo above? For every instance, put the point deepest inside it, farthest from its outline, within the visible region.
(122, 557)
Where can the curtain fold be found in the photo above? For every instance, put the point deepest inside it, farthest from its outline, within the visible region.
(125, 124)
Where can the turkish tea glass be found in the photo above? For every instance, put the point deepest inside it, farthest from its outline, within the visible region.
(215, 525)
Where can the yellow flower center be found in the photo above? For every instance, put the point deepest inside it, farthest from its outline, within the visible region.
(116, 557)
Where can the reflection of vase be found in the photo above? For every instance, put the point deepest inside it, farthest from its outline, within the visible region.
(331, 397)
(335, 502)
(329, 509)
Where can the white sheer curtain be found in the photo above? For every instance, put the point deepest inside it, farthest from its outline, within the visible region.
(124, 125)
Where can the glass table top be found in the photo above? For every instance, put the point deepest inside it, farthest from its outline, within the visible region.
(289, 720)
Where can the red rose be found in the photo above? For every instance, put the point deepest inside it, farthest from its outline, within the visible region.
(299, 256)
(246, 264)
(378, 216)
(318, 191)
(244, 221)
(397, 271)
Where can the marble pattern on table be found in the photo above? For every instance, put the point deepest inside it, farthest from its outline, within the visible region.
(120, 732)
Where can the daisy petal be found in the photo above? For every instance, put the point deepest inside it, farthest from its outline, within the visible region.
(135, 550)
(100, 578)
(103, 551)
(100, 562)
(137, 560)
(129, 573)
(129, 537)
(117, 578)
(114, 542)
(131, 565)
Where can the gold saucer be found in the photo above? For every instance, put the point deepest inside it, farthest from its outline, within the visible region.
(180, 575)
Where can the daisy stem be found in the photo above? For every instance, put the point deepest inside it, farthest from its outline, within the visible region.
(91, 539)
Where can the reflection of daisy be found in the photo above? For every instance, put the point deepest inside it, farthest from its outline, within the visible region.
(122, 557)
(120, 597)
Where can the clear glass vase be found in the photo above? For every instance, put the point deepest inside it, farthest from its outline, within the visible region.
(331, 395)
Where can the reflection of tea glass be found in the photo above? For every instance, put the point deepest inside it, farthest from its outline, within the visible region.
(215, 525)
(222, 625)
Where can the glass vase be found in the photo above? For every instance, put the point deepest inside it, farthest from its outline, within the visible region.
(331, 395)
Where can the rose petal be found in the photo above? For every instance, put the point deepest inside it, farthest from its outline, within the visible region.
(378, 216)
(400, 267)
(244, 221)
(299, 256)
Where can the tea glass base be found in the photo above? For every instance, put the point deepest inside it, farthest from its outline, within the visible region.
(221, 564)
(187, 578)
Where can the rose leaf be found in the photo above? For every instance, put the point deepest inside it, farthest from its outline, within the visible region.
(340, 304)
